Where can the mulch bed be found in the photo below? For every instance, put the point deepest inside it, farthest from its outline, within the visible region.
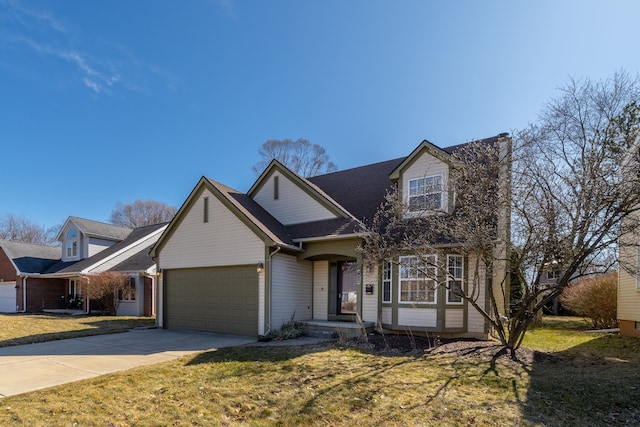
(402, 344)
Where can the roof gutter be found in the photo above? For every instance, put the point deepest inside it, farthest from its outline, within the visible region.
(331, 237)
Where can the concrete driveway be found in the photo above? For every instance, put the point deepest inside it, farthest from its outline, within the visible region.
(32, 367)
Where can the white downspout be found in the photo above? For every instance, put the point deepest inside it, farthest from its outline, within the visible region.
(24, 295)
(271, 288)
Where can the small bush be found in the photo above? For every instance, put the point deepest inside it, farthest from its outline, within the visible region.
(288, 330)
(595, 299)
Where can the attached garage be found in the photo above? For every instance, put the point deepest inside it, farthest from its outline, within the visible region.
(8, 297)
(212, 299)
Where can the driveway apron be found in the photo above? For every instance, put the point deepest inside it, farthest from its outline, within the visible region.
(32, 367)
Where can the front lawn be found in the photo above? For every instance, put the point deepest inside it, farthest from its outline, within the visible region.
(593, 383)
(16, 329)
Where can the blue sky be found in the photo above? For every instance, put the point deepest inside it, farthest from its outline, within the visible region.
(112, 101)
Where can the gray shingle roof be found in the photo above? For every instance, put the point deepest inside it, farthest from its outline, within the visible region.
(101, 229)
(138, 262)
(134, 235)
(255, 213)
(30, 258)
(359, 190)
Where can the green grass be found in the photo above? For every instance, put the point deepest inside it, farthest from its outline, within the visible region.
(19, 329)
(592, 383)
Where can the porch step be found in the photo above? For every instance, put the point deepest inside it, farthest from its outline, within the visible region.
(318, 333)
(328, 329)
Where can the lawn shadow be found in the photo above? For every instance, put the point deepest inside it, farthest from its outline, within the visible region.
(257, 353)
(97, 325)
(595, 383)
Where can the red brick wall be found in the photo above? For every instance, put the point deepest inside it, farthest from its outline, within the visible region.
(148, 295)
(44, 293)
(7, 270)
(628, 328)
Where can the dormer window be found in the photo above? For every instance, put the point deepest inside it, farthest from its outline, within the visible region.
(425, 193)
(72, 243)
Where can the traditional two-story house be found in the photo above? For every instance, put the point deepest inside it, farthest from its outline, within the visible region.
(245, 263)
(50, 277)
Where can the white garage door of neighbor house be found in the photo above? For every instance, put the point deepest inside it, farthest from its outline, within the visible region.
(8, 297)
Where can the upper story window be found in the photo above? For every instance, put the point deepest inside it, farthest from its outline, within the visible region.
(386, 281)
(425, 193)
(72, 243)
(417, 279)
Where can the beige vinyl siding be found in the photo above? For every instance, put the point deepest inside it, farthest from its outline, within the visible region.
(475, 321)
(291, 289)
(628, 292)
(95, 246)
(387, 315)
(321, 290)
(419, 317)
(370, 302)
(454, 318)
(426, 165)
(224, 240)
(293, 205)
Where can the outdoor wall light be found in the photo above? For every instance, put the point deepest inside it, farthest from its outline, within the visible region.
(260, 267)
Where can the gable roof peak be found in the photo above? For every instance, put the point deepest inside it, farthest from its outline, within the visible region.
(94, 228)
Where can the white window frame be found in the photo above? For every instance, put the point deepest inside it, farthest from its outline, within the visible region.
(420, 288)
(72, 243)
(417, 191)
(638, 270)
(386, 282)
(126, 293)
(454, 274)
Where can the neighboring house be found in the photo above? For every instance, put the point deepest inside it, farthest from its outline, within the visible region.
(629, 291)
(231, 262)
(20, 260)
(628, 309)
(53, 278)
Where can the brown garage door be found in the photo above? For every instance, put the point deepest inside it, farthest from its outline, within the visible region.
(219, 299)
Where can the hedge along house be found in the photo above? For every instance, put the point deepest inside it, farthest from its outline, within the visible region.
(51, 278)
(245, 263)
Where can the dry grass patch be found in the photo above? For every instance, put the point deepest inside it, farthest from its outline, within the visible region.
(286, 386)
(593, 383)
(20, 329)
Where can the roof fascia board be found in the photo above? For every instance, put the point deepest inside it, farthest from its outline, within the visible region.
(178, 217)
(123, 250)
(269, 240)
(305, 185)
(64, 226)
(203, 184)
(425, 145)
(329, 237)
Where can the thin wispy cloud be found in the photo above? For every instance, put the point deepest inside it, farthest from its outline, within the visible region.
(103, 73)
(30, 17)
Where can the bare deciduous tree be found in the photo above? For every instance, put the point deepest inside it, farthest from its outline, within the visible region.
(301, 156)
(103, 289)
(141, 213)
(574, 203)
(20, 229)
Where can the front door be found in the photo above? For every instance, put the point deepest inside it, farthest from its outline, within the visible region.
(347, 296)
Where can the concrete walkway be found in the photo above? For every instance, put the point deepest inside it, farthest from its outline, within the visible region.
(32, 367)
